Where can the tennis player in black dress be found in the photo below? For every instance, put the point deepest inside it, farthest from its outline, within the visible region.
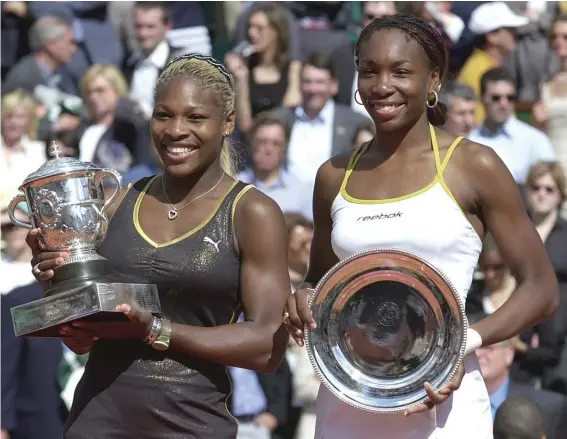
(214, 246)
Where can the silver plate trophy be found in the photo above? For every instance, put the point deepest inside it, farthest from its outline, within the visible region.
(387, 322)
(66, 202)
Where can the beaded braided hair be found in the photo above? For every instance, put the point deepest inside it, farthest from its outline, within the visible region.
(431, 42)
(211, 74)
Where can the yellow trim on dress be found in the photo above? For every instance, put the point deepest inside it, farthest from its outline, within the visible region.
(238, 197)
(180, 238)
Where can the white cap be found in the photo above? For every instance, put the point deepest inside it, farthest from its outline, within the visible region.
(491, 16)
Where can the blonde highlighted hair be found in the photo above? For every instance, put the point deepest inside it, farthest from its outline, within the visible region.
(21, 98)
(109, 72)
(207, 76)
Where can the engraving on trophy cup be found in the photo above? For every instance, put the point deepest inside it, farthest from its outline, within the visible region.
(388, 314)
(66, 202)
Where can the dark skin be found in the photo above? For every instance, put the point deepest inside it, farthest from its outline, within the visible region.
(394, 69)
(188, 116)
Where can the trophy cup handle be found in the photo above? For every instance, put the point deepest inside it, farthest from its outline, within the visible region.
(13, 204)
(117, 178)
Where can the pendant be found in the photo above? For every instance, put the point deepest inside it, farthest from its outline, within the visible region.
(172, 214)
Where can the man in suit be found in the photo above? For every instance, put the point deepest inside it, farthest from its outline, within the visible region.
(320, 128)
(31, 406)
(152, 22)
(52, 45)
(495, 362)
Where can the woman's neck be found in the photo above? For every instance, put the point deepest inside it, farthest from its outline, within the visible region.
(267, 57)
(181, 189)
(545, 222)
(267, 177)
(401, 141)
(9, 145)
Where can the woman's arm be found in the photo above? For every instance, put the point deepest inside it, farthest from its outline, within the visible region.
(292, 97)
(259, 342)
(239, 70)
(500, 207)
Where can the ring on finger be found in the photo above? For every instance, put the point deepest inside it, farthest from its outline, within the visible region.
(286, 316)
(36, 270)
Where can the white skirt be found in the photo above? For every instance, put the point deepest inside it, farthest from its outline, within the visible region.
(465, 415)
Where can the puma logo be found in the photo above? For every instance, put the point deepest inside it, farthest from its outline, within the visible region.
(210, 241)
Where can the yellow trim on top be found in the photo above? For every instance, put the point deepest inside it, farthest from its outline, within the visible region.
(238, 197)
(180, 238)
(441, 166)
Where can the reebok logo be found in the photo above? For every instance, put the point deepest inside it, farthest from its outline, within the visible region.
(381, 216)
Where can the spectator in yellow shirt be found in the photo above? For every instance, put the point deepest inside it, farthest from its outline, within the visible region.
(494, 23)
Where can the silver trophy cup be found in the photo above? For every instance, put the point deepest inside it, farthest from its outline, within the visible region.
(387, 322)
(66, 202)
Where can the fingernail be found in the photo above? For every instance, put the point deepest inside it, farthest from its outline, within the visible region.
(96, 338)
(313, 326)
(59, 261)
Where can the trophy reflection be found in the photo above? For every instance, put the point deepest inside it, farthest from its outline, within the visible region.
(66, 202)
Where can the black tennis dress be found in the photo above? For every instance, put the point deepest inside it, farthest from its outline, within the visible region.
(130, 390)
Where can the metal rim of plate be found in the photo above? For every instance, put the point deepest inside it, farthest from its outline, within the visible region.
(338, 392)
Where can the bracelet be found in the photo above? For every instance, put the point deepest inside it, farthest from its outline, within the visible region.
(474, 341)
(154, 332)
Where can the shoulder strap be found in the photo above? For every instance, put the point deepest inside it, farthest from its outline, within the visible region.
(354, 158)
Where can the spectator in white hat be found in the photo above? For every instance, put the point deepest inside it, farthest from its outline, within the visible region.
(494, 23)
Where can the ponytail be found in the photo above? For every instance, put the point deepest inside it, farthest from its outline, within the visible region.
(227, 162)
(437, 116)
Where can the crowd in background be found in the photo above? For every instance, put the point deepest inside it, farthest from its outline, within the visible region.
(83, 74)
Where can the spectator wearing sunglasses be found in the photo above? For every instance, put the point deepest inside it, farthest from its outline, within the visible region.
(518, 144)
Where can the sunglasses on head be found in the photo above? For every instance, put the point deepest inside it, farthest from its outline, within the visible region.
(498, 98)
(539, 187)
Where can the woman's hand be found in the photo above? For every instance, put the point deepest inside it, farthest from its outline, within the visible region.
(437, 397)
(299, 314)
(237, 67)
(42, 262)
(137, 326)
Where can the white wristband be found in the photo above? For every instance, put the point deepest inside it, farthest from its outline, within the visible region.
(474, 341)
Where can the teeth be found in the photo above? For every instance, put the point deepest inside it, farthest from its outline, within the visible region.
(386, 107)
(179, 151)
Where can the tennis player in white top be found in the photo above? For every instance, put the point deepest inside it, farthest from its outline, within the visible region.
(415, 187)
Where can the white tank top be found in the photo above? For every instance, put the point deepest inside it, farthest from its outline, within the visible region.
(430, 224)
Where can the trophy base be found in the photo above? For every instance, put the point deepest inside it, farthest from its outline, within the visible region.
(91, 300)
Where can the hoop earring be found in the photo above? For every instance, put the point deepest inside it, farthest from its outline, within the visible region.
(359, 103)
(435, 100)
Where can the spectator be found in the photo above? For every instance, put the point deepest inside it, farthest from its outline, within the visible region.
(16, 255)
(518, 144)
(494, 24)
(545, 192)
(550, 112)
(31, 407)
(21, 153)
(300, 232)
(495, 362)
(519, 418)
(267, 78)
(259, 401)
(14, 33)
(320, 128)
(52, 45)
(346, 72)
(364, 133)
(498, 285)
(461, 102)
(152, 21)
(269, 138)
(116, 133)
